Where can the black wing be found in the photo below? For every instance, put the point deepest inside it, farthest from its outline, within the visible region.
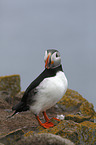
(29, 95)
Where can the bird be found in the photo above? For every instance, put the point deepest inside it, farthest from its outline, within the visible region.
(46, 90)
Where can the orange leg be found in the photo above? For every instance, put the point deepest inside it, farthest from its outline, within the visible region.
(46, 117)
(46, 124)
(56, 119)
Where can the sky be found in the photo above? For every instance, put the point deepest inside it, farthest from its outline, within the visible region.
(29, 27)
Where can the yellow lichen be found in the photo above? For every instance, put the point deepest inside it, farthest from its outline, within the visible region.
(76, 132)
(87, 108)
(73, 99)
(28, 133)
(10, 83)
(89, 124)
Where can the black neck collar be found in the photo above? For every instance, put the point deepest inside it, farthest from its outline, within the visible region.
(55, 70)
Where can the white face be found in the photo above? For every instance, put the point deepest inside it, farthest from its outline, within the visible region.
(45, 56)
(52, 58)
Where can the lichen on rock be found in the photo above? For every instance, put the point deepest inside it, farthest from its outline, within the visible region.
(77, 126)
(73, 102)
(79, 133)
(77, 118)
(10, 84)
(44, 139)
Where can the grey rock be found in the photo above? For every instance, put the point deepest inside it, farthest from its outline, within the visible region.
(10, 84)
(44, 139)
(1, 144)
(94, 120)
(11, 137)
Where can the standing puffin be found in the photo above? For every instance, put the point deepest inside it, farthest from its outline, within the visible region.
(46, 90)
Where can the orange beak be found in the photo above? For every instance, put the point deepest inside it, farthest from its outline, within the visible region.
(47, 60)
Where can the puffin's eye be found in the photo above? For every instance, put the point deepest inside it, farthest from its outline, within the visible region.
(57, 54)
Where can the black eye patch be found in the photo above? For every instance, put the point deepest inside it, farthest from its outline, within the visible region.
(56, 55)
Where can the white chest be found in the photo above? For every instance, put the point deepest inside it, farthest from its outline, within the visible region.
(50, 91)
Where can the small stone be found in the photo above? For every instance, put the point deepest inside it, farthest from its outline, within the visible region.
(61, 117)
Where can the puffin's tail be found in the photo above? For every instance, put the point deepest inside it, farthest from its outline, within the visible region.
(19, 108)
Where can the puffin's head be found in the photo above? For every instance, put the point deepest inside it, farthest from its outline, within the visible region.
(52, 58)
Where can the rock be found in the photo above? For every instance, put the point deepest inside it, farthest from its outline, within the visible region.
(44, 139)
(19, 95)
(10, 84)
(61, 117)
(9, 87)
(87, 133)
(94, 119)
(79, 133)
(1, 144)
(11, 137)
(73, 102)
(87, 108)
(5, 95)
(77, 118)
(3, 104)
(76, 127)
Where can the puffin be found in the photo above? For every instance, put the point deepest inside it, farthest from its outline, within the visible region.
(46, 90)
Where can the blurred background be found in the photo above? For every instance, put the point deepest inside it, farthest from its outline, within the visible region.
(29, 27)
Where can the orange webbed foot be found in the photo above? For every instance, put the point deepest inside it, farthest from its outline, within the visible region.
(47, 124)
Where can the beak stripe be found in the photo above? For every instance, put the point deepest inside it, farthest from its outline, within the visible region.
(52, 62)
(47, 60)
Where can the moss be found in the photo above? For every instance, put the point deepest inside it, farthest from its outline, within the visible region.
(77, 118)
(79, 133)
(72, 100)
(10, 83)
(28, 133)
(11, 137)
(60, 126)
(89, 124)
(87, 108)
(83, 132)
(64, 129)
(87, 132)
